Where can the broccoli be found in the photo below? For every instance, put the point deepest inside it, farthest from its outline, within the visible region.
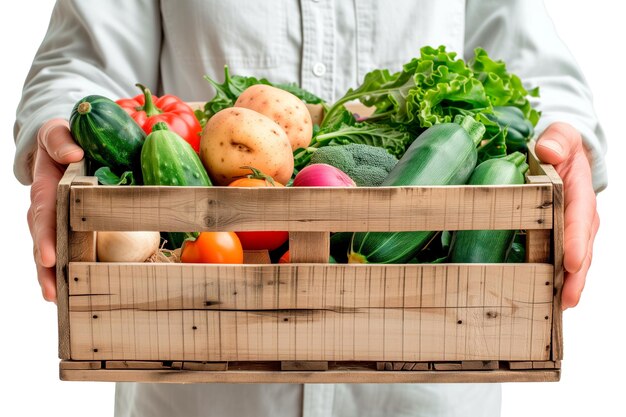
(367, 165)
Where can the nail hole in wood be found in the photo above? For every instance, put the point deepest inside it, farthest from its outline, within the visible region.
(84, 219)
(547, 318)
(76, 279)
(492, 314)
(95, 316)
(285, 319)
(195, 327)
(95, 350)
(547, 282)
(540, 221)
(77, 200)
(459, 322)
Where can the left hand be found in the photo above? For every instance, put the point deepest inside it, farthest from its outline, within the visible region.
(561, 145)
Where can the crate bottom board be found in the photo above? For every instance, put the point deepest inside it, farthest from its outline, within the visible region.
(329, 372)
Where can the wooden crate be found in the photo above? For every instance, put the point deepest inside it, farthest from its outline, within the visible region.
(310, 321)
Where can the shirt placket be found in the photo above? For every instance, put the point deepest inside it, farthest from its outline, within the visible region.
(318, 47)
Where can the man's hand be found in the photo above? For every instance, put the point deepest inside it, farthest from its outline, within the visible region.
(561, 145)
(55, 150)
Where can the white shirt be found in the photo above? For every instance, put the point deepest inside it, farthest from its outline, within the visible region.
(326, 46)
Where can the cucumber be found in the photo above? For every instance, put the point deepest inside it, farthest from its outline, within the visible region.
(167, 159)
(107, 134)
(444, 154)
(489, 246)
(519, 129)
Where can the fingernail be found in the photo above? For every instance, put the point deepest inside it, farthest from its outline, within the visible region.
(554, 146)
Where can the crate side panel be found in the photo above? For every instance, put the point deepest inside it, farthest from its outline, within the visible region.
(311, 209)
(464, 312)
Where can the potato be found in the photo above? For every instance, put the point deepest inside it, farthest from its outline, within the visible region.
(282, 107)
(236, 137)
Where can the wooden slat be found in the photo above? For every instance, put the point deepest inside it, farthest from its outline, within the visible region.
(311, 209)
(63, 254)
(538, 168)
(298, 377)
(336, 287)
(538, 242)
(256, 257)
(257, 312)
(67, 364)
(309, 247)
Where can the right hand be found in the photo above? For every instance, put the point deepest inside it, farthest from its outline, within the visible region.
(55, 150)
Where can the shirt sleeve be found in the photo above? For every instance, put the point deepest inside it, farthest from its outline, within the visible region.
(522, 34)
(91, 47)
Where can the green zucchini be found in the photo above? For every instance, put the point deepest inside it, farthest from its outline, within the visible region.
(489, 246)
(167, 159)
(107, 134)
(444, 154)
(519, 129)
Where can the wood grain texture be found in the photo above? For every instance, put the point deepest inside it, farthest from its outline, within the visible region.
(310, 312)
(538, 242)
(309, 247)
(63, 254)
(311, 209)
(558, 207)
(299, 377)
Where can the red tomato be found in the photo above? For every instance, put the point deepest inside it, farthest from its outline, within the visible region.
(259, 240)
(284, 259)
(213, 248)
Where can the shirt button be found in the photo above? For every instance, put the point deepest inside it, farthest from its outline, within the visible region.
(319, 69)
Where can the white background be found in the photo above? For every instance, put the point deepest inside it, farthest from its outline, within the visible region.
(594, 331)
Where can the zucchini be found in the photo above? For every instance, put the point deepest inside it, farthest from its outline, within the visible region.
(167, 159)
(519, 129)
(444, 154)
(107, 134)
(489, 246)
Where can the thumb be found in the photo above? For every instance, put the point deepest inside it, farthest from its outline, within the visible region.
(558, 143)
(55, 138)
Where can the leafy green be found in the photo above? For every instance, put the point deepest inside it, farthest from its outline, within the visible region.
(107, 177)
(434, 88)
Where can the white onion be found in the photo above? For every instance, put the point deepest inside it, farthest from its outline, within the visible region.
(126, 246)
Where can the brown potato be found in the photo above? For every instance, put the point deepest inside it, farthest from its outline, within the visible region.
(282, 107)
(236, 137)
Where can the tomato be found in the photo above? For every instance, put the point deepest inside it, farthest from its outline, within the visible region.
(213, 248)
(284, 259)
(259, 240)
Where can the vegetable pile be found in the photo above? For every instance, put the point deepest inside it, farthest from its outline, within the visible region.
(440, 120)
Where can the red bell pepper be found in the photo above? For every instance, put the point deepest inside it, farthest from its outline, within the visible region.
(148, 110)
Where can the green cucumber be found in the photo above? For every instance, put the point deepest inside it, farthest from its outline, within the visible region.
(444, 154)
(489, 246)
(107, 134)
(167, 159)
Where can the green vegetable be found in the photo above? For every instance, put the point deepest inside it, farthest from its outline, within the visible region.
(445, 154)
(366, 165)
(489, 246)
(107, 134)
(436, 87)
(107, 177)
(167, 159)
(519, 130)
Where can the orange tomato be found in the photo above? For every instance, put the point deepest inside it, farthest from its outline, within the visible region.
(213, 248)
(259, 240)
(284, 259)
